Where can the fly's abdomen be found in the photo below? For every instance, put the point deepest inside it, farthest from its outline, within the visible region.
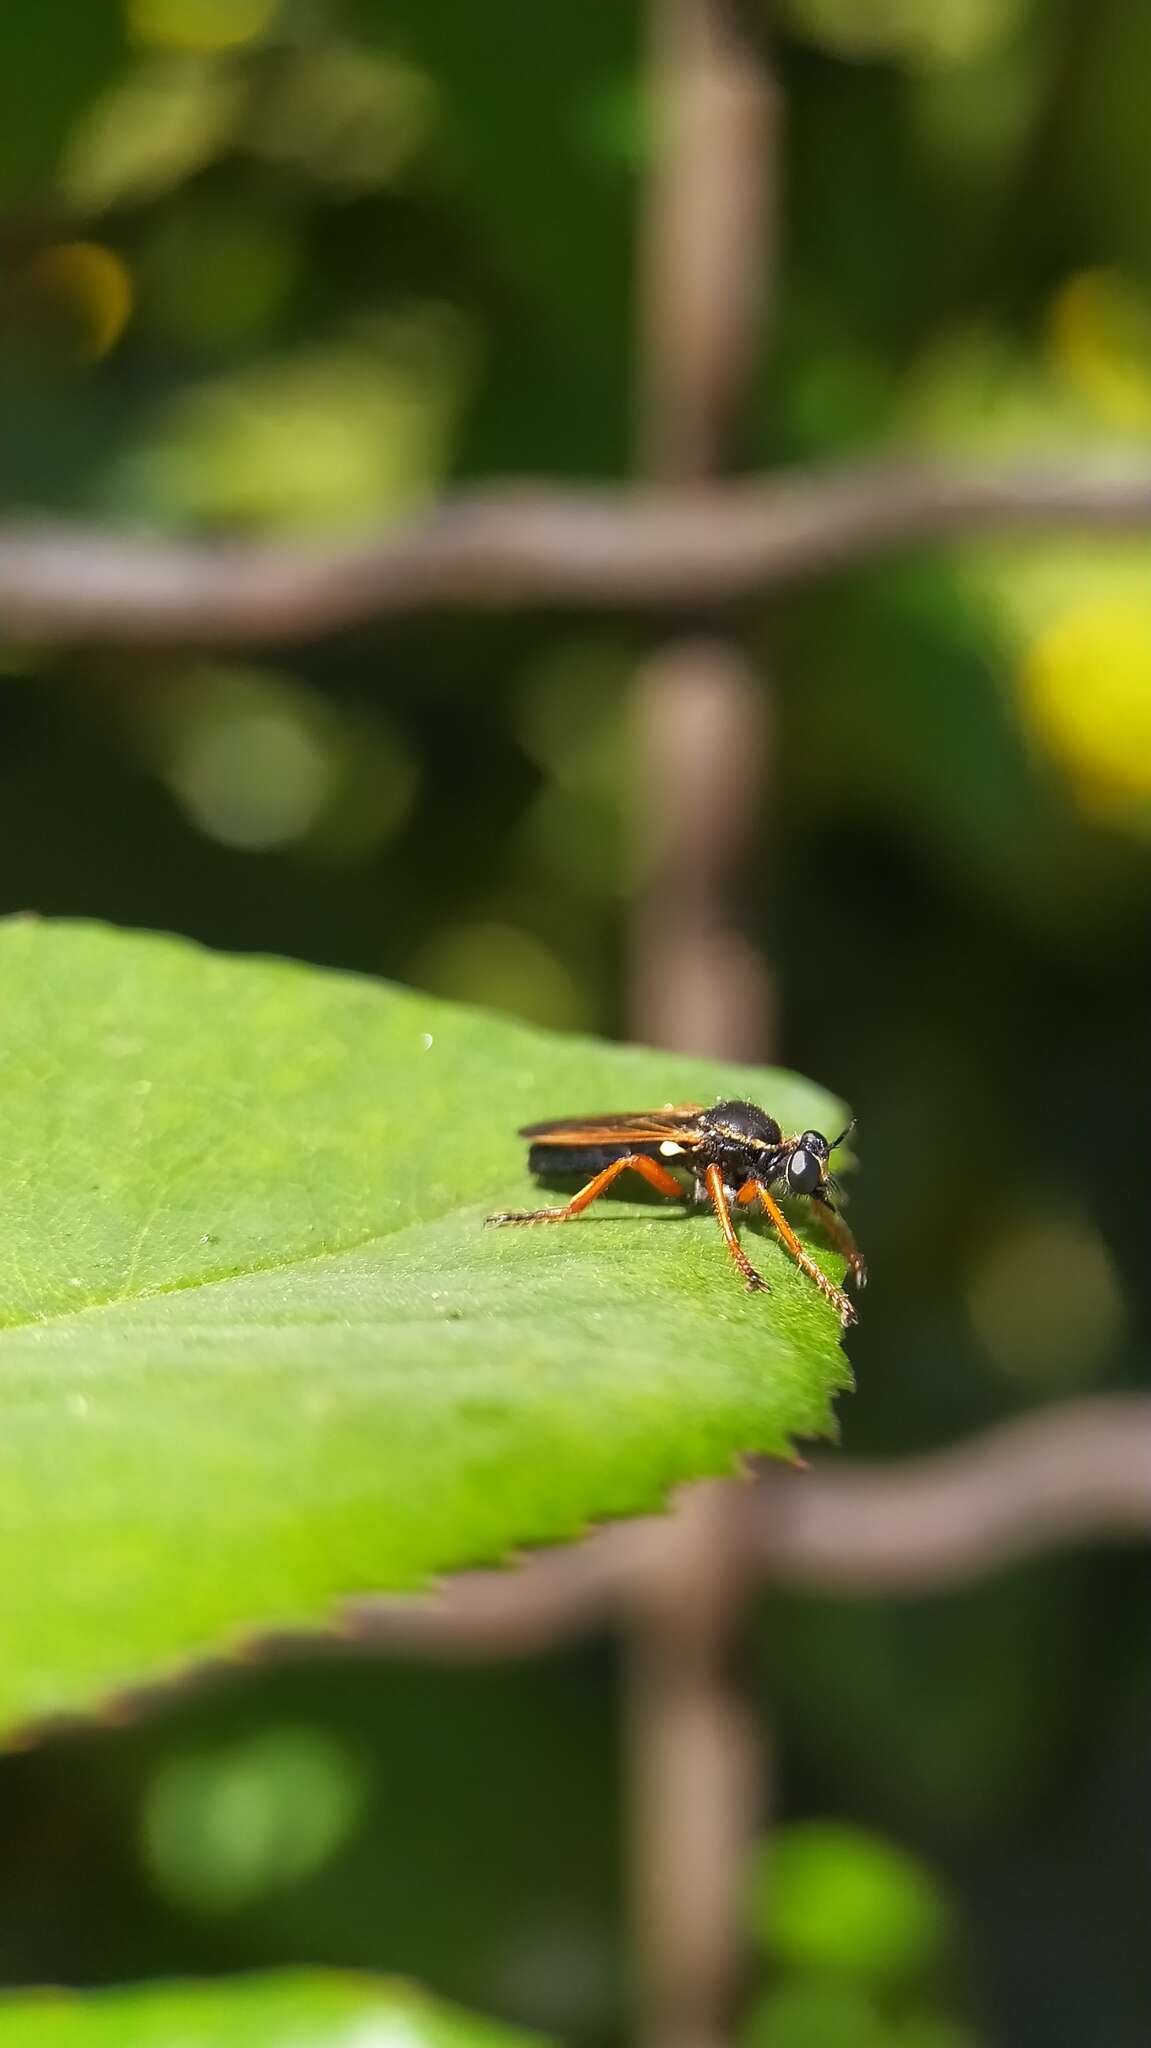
(548, 1160)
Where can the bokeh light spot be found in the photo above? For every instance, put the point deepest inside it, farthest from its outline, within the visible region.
(221, 1828)
(501, 967)
(216, 274)
(160, 122)
(1100, 340)
(1085, 694)
(93, 286)
(338, 436)
(201, 24)
(257, 780)
(1046, 1300)
(835, 1898)
(826, 2012)
(252, 755)
(346, 116)
(908, 31)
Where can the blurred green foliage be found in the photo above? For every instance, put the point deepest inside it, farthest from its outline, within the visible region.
(832, 1898)
(281, 2009)
(299, 267)
(853, 1931)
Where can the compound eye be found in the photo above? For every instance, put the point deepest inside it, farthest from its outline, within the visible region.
(803, 1174)
(814, 1141)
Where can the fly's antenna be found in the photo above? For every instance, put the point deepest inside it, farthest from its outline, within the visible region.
(843, 1136)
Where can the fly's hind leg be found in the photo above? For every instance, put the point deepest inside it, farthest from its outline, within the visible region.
(843, 1241)
(658, 1176)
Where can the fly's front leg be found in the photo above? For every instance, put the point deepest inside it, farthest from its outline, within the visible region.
(657, 1175)
(713, 1181)
(803, 1259)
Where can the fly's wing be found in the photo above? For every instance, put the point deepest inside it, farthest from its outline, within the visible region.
(636, 1126)
(586, 1144)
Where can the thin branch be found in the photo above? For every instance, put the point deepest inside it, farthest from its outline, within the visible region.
(664, 550)
(708, 248)
(702, 715)
(695, 1763)
(1075, 1474)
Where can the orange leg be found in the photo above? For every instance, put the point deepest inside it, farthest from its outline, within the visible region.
(844, 1242)
(658, 1176)
(714, 1182)
(804, 1260)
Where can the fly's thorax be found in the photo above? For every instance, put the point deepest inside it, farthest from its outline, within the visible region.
(742, 1140)
(737, 1123)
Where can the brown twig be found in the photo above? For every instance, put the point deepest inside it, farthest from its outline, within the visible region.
(696, 1773)
(667, 551)
(697, 984)
(1078, 1472)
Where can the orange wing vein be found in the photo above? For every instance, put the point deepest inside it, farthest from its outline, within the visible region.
(645, 1126)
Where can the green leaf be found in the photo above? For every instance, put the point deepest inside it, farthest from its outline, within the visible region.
(282, 2009)
(257, 1352)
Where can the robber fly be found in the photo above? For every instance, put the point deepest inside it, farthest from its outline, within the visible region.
(734, 1153)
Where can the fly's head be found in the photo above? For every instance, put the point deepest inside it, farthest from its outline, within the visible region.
(805, 1165)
